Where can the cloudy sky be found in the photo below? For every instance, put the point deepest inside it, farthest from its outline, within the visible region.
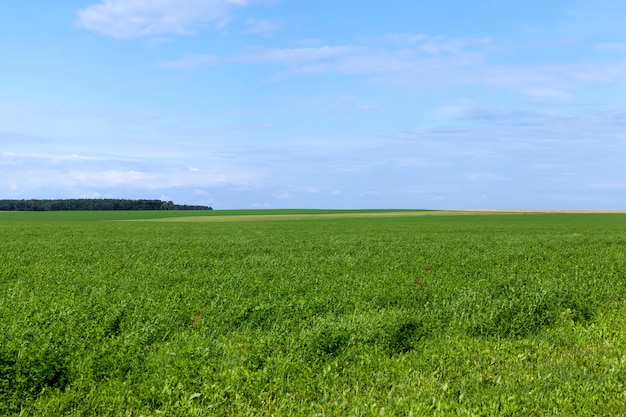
(316, 104)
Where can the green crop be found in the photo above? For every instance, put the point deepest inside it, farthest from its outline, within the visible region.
(312, 313)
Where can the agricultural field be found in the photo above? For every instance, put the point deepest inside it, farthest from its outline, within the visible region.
(333, 313)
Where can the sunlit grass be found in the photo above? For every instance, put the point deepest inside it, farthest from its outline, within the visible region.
(335, 313)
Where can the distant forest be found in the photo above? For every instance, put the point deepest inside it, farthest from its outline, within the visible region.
(93, 204)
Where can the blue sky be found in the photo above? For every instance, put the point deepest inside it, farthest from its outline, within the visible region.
(496, 104)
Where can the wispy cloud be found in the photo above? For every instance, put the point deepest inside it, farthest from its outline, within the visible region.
(282, 196)
(295, 56)
(275, 56)
(192, 61)
(35, 173)
(424, 62)
(615, 47)
(401, 56)
(15, 137)
(125, 19)
(264, 27)
(332, 103)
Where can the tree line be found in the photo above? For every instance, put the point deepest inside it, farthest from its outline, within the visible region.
(93, 204)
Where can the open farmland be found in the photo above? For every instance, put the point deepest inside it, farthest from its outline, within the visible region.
(312, 312)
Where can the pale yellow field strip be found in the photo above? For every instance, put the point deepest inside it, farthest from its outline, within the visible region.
(300, 216)
(352, 215)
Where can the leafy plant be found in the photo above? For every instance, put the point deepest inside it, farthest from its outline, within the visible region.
(303, 313)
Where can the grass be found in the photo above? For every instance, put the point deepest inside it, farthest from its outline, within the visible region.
(312, 312)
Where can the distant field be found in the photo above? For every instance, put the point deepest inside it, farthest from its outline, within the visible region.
(312, 312)
(276, 215)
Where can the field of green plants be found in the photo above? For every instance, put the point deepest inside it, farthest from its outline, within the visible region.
(312, 313)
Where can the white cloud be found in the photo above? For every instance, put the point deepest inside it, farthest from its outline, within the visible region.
(485, 177)
(616, 47)
(276, 56)
(191, 61)
(282, 196)
(125, 19)
(308, 42)
(295, 55)
(547, 93)
(262, 27)
(406, 54)
(16, 137)
(38, 173)
(424, 62)
(437, 45)
(348, 103)
(608, 184)
(332, 103)
(91, 195)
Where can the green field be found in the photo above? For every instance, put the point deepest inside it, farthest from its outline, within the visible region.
(312, 313)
